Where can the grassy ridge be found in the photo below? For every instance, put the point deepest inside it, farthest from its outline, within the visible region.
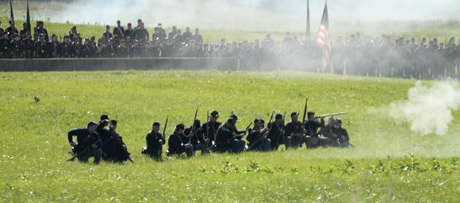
(34, 148)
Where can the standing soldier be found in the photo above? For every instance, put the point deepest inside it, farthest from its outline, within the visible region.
(53, 47)
(140, 33)
(76, 47)
(16, 47)
(294, 130)
(187, 35)
(173, 33)
(41, 46)
(5, 46)
(28, 46)
(86, 49)
(89, 143)
(197, 37)
(107, 33)
(65, 50)
(129, 31)
(178, 142)
(155, 142)
(11, 29)
(1, 29)
(119, 30)
(41, 30)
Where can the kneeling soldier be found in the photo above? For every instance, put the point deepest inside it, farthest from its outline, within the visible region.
(89, 143)
(178, 142)
(155, 142)
(257, 138)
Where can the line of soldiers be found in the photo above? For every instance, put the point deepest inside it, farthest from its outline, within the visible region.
(211, 136)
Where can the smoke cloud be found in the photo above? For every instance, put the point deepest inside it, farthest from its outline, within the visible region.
(261, 15)
(428, 109)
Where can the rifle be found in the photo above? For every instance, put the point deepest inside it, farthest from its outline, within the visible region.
(164, 129)
(262, 135)
(305, 110)
(83, 152)
(207, 123)
(329, 115)
(193, 125)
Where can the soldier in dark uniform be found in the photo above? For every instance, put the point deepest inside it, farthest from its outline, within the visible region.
(119, 30)
(89, 143)
(311, 127)
(25, 29)
(187, 35)
(11, 29)
(41, 47)
(162, 32)
(276, 133)
(74, 34)
(16, 47)
(178, 142)
(122, 50)
(258, 137)
(228, 139)
(107, 33)
(129, 31)
(330, 135)
(76, 47)
(140, 33)
(294, 130)
(109, 51)
(210, 128)
(106, 138)
(119, 152)
(5, 46)
(173, 33)
(41, 30)
(65, 50)
(53, 47)
(195, 135)
(342, 133)
(28, 46)
(86, 49)
(155, 142)
(197, 37)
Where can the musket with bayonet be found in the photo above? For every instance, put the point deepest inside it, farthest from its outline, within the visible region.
(304, 111)
(193, 127)
(329, 115)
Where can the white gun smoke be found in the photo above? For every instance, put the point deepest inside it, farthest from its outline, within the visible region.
(428, 109)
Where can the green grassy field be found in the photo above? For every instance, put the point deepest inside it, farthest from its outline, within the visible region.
(390, 163)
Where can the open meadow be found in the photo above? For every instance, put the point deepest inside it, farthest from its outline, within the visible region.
(389, 163)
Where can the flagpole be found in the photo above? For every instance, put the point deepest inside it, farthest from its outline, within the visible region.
(308, 33)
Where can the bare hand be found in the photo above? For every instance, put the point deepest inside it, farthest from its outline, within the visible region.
(94, 146)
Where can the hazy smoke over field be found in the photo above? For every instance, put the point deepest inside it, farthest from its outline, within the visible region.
(428, 109)
(253, 14)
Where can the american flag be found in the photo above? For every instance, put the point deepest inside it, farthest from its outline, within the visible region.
(324, 38)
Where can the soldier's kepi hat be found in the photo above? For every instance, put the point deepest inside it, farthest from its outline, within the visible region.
(180, 126)
(278, 116)
(294, 114)
(234, 117)
(310, 113)
(114, 122)
(257, 120)
(156, 124)
(215, 114)
(104, 117)
(91, 123)
(197, 123)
